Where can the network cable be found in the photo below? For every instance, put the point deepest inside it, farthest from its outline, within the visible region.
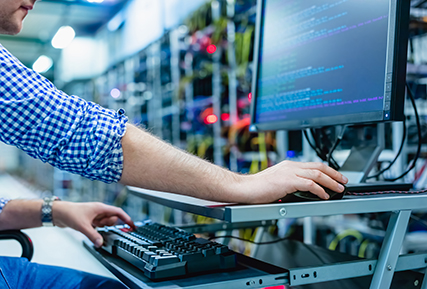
(397, 155)
(316, 147)
(417, 154)
(337, 142)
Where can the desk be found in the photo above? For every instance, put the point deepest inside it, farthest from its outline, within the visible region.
(382, 269)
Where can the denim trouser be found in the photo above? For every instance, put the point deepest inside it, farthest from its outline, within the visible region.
(18, 273)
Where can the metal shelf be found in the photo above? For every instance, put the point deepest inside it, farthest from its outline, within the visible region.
(382, 269)
(250, 273)
(248, 213)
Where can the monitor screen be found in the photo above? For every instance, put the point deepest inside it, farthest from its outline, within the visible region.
(329, 62)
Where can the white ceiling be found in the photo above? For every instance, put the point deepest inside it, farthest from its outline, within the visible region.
(47, 16)
(86, 18)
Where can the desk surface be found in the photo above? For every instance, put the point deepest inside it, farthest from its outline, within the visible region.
(245, 213)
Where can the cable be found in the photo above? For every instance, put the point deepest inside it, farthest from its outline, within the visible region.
(349, 232)
(325, 146)
(337, 142)
(250, 241)
(397, 155)
(417, 119)
(312, 145)
(362, 248)
(318, 151)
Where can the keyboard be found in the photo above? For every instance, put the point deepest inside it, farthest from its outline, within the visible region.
(164, 252)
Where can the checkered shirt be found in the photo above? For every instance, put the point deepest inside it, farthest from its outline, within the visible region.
(63, 130)
(3, 202)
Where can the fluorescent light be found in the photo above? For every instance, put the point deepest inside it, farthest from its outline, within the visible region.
(42, 64)
(63, 37)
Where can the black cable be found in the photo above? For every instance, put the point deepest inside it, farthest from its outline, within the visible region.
(246, 240)
(318, 151)
(397, 155)
(337, 142)
(326, 145)
(314, 147)
(417, 119)
(318, 143)
(308, 139)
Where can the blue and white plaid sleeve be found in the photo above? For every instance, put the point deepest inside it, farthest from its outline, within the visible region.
(65, 131)
(3, 202)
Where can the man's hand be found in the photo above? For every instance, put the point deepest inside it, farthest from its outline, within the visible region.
(288, 177)
(84, 217)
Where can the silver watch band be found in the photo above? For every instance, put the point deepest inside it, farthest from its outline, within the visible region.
(46, 211)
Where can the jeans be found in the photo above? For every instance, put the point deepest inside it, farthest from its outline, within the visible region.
(18, 273)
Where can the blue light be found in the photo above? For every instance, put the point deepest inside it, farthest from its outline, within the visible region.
(290, 154)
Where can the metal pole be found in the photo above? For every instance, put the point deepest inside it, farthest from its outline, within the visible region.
(390, 249)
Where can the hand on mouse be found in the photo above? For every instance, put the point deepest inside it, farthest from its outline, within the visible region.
(288, 177)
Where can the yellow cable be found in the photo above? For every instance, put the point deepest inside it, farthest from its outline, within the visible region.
(247, 38)
(254, 168)
(201, 151)
(362, 248)
(342, 235)
(262, 151)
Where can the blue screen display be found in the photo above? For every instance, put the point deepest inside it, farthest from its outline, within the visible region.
(321, 58)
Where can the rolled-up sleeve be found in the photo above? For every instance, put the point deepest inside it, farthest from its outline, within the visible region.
(63, 130)
(3, 202)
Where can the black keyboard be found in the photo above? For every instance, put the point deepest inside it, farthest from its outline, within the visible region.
(163, 252)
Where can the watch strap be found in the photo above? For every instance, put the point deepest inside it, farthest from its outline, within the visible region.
(46, 211)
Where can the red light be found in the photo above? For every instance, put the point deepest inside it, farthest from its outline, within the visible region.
(225, 116)
(211, 49)
(250, 96)
(210, 119)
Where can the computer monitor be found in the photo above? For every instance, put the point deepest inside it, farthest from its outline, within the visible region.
(329, 62)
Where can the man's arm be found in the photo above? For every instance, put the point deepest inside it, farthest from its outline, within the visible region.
(83, 217)
(151, 163)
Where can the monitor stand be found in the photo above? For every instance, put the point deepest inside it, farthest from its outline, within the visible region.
(360, 162)
(362, 158)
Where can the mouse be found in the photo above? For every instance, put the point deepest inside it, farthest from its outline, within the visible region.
(300, 196)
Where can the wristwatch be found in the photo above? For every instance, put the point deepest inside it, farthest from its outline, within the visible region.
(46, 212)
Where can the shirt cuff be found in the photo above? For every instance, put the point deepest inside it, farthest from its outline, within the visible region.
(3, 202)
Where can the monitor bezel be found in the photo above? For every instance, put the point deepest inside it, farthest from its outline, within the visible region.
(394, 86)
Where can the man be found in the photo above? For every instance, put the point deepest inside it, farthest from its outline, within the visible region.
(84, 138)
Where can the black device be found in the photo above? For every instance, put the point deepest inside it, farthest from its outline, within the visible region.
(163, 252)
(301, 196)
(327, 63)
